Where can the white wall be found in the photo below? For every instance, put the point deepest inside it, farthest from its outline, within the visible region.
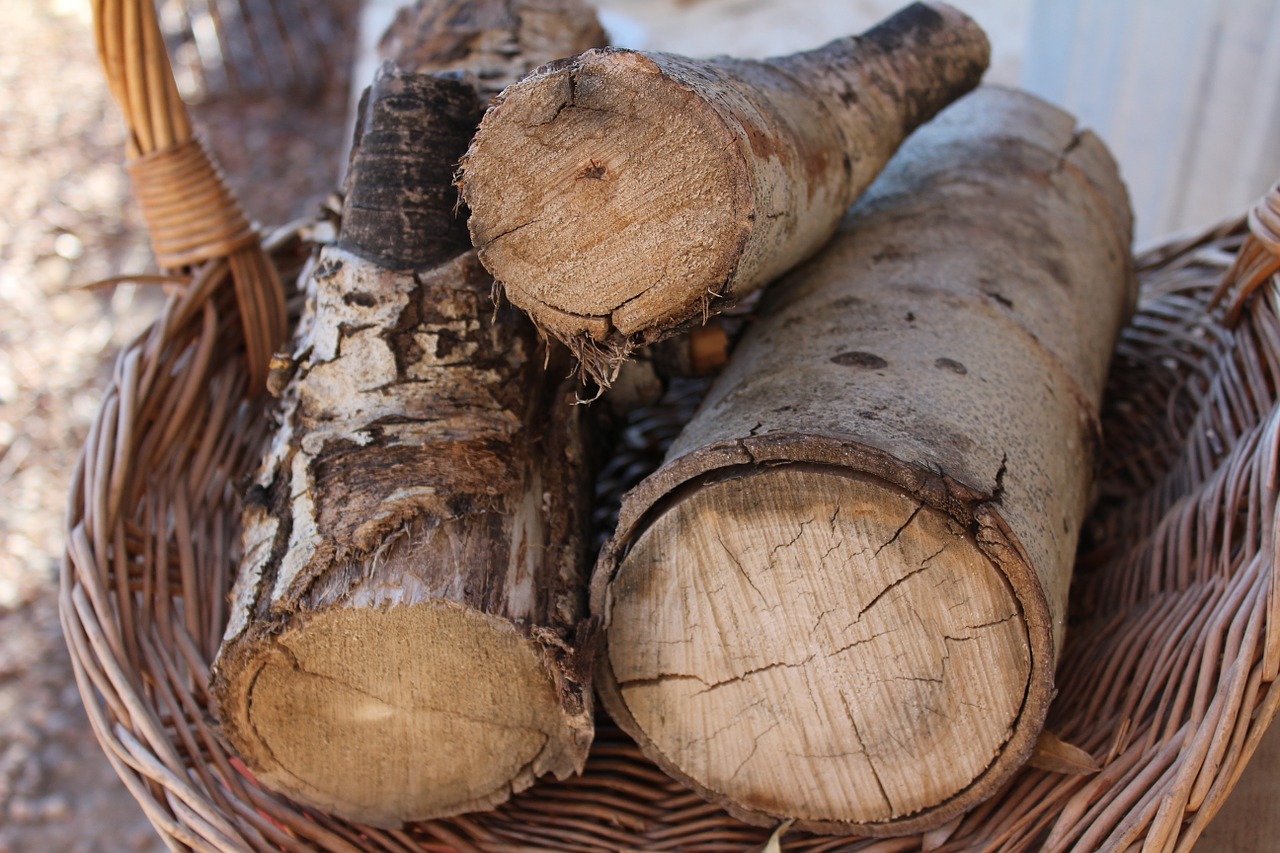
(1185, 92)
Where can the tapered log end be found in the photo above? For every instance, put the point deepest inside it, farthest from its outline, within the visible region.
(619, 197)
(938, 53)
(392, 715)
(817, 644)
(400, 209)
(599, 188)
(916, 27)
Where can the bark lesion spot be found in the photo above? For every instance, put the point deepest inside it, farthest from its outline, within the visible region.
(996, 296)
(360, 299)
(868, 360)
(1076, 138)
(593, 171)
(997, 491)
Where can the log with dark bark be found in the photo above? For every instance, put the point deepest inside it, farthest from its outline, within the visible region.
(403, 634)
(496, 41)
(622, 196)
(842, 597)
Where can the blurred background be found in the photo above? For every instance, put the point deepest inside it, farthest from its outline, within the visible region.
(1186, 92)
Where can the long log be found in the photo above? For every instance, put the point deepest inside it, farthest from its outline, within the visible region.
(842, 597)
(403, 641)
(622, 196)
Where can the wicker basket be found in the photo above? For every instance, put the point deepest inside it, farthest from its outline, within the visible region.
(1168, 676)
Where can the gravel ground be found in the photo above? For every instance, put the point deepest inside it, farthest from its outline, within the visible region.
(65, 221)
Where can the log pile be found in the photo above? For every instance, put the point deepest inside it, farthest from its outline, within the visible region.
(841, 599)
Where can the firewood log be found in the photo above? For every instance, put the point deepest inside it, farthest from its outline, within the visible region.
(842, 597)
(498, 41)
(621, 196)
(404, 633)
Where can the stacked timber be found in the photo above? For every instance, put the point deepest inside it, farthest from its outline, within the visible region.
(841, 599)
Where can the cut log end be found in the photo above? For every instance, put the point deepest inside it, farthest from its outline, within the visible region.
(820, 633)
(643, 219)
(427, 710)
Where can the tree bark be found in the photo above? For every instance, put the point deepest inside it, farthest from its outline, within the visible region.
(621, 196)
(403, 641)
(496, 41)
(842, 597)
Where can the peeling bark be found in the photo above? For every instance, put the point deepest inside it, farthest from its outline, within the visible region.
(866, 533)
(404, 630)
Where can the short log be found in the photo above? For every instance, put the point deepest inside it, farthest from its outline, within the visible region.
(621, 196)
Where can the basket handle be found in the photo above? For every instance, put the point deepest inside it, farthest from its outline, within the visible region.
(190, 213)
(1258, 259)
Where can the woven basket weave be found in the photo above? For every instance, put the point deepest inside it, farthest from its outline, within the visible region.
(1168, 676)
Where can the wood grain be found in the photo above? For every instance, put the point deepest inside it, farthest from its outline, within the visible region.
(826, 620)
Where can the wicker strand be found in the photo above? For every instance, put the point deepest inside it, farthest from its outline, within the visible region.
(191, 215)
(1258, 259)
(189, 211)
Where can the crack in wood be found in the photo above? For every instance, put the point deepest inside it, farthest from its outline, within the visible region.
(741, 569)
(875, 772)
(901, 528)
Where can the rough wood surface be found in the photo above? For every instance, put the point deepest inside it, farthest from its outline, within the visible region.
(403, 630)
(842, 597)
(398, 208)
(495, 41)
(620, 196)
